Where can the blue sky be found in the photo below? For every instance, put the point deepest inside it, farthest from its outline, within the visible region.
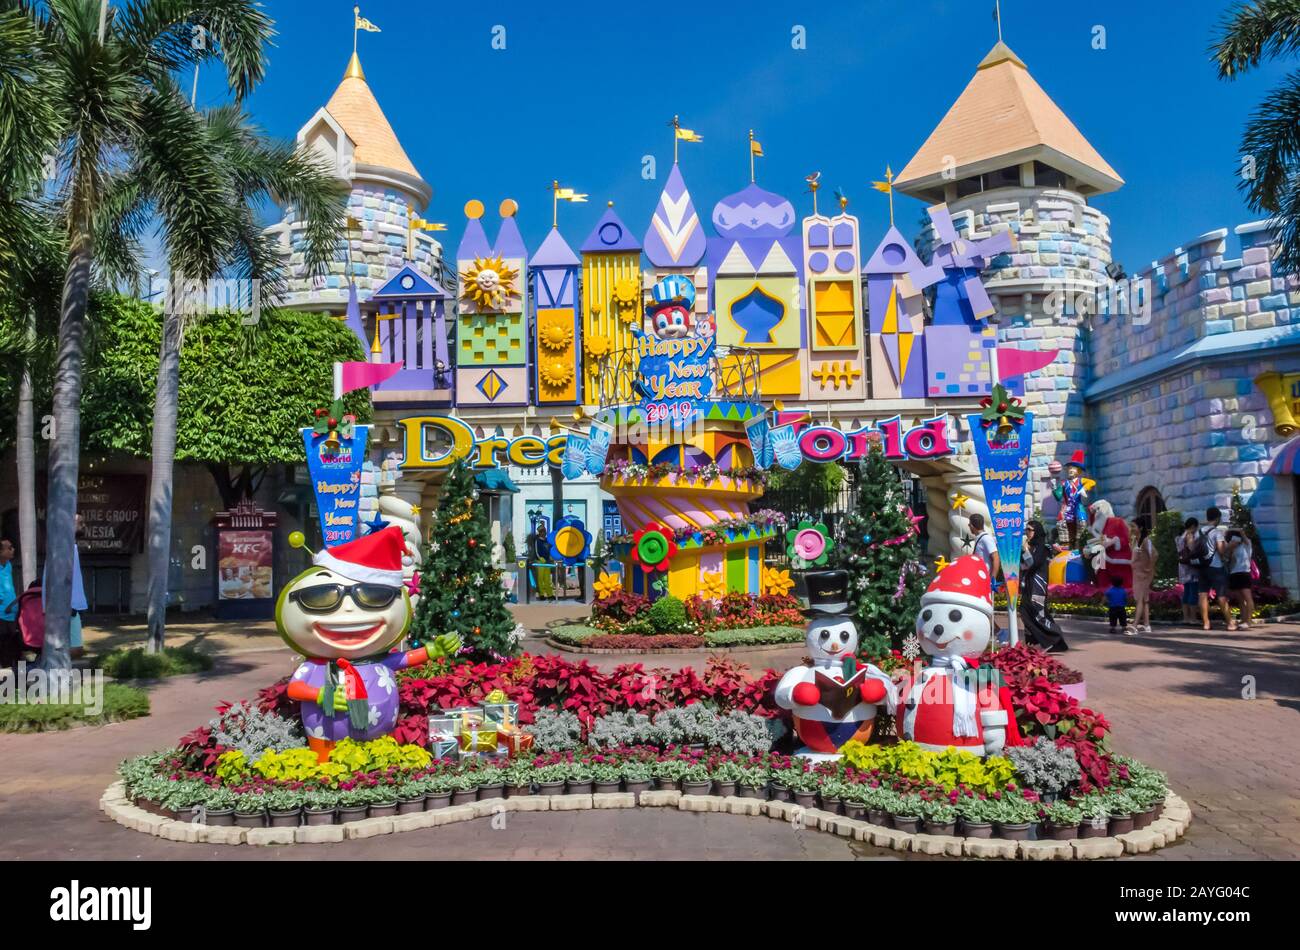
(583, 90)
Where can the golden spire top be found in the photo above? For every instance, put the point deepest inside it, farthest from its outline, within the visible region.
(354, 70)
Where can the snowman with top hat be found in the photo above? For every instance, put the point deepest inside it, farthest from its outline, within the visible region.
(834, 696)
(954, 702)
(345, 615)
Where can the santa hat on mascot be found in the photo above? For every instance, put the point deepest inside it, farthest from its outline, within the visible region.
(375, 558)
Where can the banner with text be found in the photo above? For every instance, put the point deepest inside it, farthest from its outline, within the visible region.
(1003, 456)
(335, 468)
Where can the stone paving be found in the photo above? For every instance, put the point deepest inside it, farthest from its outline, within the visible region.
(1177, 699)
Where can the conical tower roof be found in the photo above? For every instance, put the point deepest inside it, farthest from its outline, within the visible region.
(355, 108)
(675, 238)
(610, 234)
(554, 252)
(1004, 118)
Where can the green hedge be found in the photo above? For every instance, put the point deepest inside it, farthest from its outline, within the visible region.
(119, 704)
(578, 634)
(172, 661)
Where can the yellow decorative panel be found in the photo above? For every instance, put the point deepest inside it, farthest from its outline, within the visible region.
(758, 312)
(611, 307)
(835, 323)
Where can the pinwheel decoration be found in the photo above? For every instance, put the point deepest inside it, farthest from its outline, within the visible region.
(653, 547)
(335, 424)
(808, 545)
(570, 541)
(1002, 409)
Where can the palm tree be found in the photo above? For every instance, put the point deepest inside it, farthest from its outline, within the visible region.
(1250, 34)
(254, 169)
(121, 119)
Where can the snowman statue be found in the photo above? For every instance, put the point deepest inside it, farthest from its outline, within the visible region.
(834, 696)
(344, 616)
(954, 702)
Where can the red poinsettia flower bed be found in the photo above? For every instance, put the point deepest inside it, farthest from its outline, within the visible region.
(1042, 709)
(621, 641)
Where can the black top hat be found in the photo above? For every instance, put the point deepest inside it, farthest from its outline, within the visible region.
(828, 592)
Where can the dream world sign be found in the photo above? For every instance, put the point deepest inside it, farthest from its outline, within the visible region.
(456, 442)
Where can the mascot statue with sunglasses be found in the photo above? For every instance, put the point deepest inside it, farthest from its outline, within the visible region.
(345, 615)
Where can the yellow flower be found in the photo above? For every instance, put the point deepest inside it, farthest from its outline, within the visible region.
(597, 346)
(777, 582)
(555, 334)
(713, 586)
(627, 291)
(607, 585)
(556, 373)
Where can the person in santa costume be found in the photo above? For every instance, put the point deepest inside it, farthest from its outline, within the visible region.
(955, 702)
(345, 615)
(1111, 547)
(834, 696)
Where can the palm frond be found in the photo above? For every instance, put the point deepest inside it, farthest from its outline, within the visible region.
(1253, 32)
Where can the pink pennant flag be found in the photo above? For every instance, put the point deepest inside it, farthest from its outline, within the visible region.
(1013, 362)
(352, 376)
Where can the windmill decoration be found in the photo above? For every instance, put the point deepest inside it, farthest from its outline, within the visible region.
(954, 254)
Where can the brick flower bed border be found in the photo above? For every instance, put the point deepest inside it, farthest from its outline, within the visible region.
(1164, 831)
(688, 651)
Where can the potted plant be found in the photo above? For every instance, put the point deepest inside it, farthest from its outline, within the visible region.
(411, 795)
(1061, 821)
(905, 812)
(668, 772)
(440, 791)
(696, 780)
(853, 799)
(1144, 804)
(284, 807)
(976, 816)
(464, 787)
(726, 774)
(518, 776)
(1014, 816)
(353, 804)
(877, 800)
(833, 792)
(320, 806)
(1094, 817)
(579, 778)
(382, 801)
(940, 817)
(491, 781)
(753, 780)
(219, 810)
(250, 810)
(551, 778)
(1122, 809)
(637, 775)
(606, 775)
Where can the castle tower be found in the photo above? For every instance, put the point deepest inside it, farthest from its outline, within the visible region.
(675, 242)
(1006, 157)
(553, 273)
(611, 294)
(833, 297)
(352, 135)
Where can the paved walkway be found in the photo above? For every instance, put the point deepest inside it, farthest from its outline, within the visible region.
(1180, 700)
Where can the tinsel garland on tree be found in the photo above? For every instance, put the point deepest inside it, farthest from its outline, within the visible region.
(1243, 519)
(881, 550)
(460, 590)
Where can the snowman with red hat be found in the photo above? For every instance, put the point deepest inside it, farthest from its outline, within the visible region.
(345, 615)
(954, 702)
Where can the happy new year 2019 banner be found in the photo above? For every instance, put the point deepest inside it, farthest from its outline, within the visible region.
(336, 479)
(1003, 456)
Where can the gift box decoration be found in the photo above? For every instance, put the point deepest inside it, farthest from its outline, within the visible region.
(443, 727)
(517, 743)
(443, 748)
(501, 714)
(466, 718)
(479, 740)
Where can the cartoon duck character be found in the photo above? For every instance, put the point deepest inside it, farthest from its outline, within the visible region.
(345, 615)
(834, 696)
(954, 702)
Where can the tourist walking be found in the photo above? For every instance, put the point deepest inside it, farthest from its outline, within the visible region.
(1187, 572)
(10, 642)
(1144, 574)
(1239, 556)
(986, 546)
(1212, 580)
(1035, 609)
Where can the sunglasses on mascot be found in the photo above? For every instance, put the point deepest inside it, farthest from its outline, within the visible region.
(325, 598)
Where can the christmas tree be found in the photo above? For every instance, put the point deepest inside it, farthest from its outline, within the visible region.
(460, 590)
(1242, 518)
(881, 551)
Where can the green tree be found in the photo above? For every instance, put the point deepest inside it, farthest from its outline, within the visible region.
(460, 590)
(1250, 34)
(240, 405)
(125, 150)
(882, 553)
(1169, 525)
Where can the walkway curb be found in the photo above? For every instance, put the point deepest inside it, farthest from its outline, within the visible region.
(1165, 831)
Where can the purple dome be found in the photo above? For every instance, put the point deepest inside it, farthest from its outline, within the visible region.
(753, 213)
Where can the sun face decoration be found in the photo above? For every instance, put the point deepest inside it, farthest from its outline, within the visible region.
(488, 282)
(556, 373)
(627, 295)
(555, 334)
(597, 347)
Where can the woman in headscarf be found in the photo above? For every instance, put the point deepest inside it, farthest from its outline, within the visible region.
(1035, 613)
